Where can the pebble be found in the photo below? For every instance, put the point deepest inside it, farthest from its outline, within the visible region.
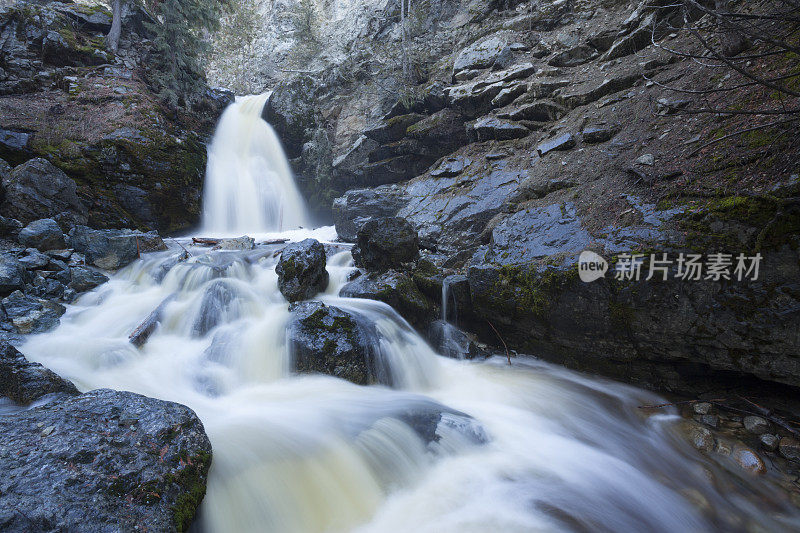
(790, 448)
(756, 424)
(701, 438)
(709, 420)
(769, 441)
(749, 460)
(702, 408)
(647, 160)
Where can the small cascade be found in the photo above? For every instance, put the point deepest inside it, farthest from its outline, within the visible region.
(249, 185)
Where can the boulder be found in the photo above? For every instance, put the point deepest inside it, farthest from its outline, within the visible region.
(397, 289)
(103, 461)
(480, 55)
(441, 133)
(9, 228)
(44, 234)
(32, 315)
(23, 382)
(112, 249)
(84, 279)
(357, 206)
(13, 274)
(14, 144)
(393, 129)
(488, 128)
(221, 303)
(36, 189)
(383, 243)
(560, 143)
(290, 110)
(327, 340)
(301, 270)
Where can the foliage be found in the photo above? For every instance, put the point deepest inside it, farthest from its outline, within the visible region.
(174, 64)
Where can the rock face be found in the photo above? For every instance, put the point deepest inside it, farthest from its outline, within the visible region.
(44, 235)
(107, 460)
(356, 207)
(301, 270)
(23, 382)
(383, 243)
(113, 249)
(327, 340)
(37, 190)
(290, 110)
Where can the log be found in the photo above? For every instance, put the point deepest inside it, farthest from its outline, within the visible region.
(148, 326)
(205, 241)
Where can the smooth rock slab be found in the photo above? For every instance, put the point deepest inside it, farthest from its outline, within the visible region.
(102, 461)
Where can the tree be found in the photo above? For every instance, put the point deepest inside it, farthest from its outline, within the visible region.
(112, 39)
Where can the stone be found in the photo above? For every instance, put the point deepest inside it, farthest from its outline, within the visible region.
(709, 420)
(393, 129)
(301, 270)
(487, 128)
(509, 94)
(450, 341)
(323, 339)
(84, 278)
(23, 382)
(646, 159)
(220, 304)
(598, 133)
(441, 133)
(14, 143)
(755, 424)
(769, 441)
(481, 54)
(357, 206)
(238, 243)
(449, 167)
(560, 143)
(789, 447)
(383, 243)
(398, 290)
(9, 228)
(702, 408)
(44, 235)
(700, 437)
(36, 189)
(539, 111)
(136, 202)
(290, 109)
(573, 57)
(32, 315)
(103, 460)
(34, 259)
(748, 459)
(113, 249)
(13, 274)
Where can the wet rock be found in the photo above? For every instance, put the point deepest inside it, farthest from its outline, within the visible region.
(393, 129)
(702, 408)
(748, 460)
(136, 202)
(290, 110)
(113, 249)
(31, 315)
(12, 274)
(487, 128)
(104, 460)
(9, 228)
(237, 243)
(301, 270)
(36, 189)
(44, 234)
(23, 382)
(709, 420)
(327, 340)
(562, 142)
(396, 289)
(599, 133)
(509, 94)
(220, 304)
(755, 424)
(34, 259)
(432, 422)
(769, 441)
(383, 243)
(700, 437)
(450, 341)
(480, 55)
(789, 448)
(84, 279)
(356, 155)
(357, 206)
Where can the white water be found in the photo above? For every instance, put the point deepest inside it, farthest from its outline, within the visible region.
(308, 454)
(249, 185)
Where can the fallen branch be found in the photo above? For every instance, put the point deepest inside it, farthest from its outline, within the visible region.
(508, 354)
(205, 241)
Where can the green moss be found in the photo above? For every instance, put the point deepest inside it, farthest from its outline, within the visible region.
(532, 291)
(192, 479)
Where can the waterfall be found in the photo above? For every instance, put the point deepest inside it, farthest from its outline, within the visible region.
(249, 184)
(452, 446)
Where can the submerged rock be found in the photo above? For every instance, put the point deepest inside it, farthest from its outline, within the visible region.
(397, 289)
(301, 270)
(44, 235)
(112, 249)
(384, 243)
(23, 382)
(450, 341)
(323, 339)
(104, 460)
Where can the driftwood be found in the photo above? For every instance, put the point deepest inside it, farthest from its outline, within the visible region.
(148, 326)
(205, 240)
(276, 241)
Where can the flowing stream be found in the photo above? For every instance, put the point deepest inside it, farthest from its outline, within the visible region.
(523, 447)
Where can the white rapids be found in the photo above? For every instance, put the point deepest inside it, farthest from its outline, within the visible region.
(545, 449)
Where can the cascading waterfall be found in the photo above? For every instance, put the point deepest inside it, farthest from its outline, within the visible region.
(249, 185)
(528, 447)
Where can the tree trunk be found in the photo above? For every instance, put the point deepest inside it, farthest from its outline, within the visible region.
(112, 39)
